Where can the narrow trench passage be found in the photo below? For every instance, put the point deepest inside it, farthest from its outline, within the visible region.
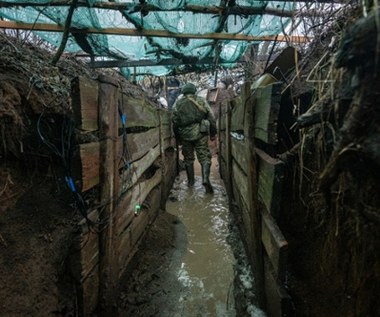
(192, 262)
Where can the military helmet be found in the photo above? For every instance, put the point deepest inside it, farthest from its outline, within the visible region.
(188, 88)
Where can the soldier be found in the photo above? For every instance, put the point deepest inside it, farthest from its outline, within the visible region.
(193, 123)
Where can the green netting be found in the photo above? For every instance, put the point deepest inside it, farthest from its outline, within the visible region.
(177, 20)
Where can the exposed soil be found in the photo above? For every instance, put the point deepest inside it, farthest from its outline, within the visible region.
(35, 238)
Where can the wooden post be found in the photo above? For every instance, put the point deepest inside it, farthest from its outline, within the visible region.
(228, 155)
(108, 132)
(254, 214)
(163, 161)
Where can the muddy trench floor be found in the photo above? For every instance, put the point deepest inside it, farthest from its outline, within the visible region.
(192, 261)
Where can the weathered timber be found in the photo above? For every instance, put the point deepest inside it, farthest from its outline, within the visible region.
(108, 104)
(84, 266)
(139, 112)
(85, 103)
(266, 113)
(284, 63)
(166, 131)
(124, 213)
(241, 180)
(275, 245)
(131, 237)
(169, 174)
(90, 292)
(271, 175)
(243, 215)
(222, 122)
(165, 116)
(278, 301)
(227, 154)
(48, 27)
(89, 255)
(90, 160)
(137, 168)
(139, 144)
(222, 145)
(237, 115)
(238, 152)
(254, 214)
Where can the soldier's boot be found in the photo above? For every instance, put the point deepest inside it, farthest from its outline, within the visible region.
(206, 178)
(190, 175)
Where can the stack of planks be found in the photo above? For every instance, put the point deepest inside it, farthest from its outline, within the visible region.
(129, 167)
(253, 179)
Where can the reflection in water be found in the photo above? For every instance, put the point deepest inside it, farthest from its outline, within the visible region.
(209, 273)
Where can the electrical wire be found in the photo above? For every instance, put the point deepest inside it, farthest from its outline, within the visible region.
(64, 152)
(125, 157)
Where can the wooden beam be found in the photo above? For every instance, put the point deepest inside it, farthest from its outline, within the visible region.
(150, 63)
(134, 8)
(150, 33)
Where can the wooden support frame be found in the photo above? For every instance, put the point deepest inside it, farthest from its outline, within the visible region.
(255, 217)
(150, 33)
(108, 114)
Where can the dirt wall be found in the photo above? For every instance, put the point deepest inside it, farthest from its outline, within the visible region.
(331, 204)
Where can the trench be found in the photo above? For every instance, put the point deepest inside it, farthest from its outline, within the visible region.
(201, 268)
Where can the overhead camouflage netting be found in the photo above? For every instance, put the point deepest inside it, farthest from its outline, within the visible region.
(195, 17)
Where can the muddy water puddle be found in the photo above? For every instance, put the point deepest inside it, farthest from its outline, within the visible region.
(192, 263)
(214, 269)
(206, 272)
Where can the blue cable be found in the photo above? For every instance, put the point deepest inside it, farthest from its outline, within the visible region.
(70, 183)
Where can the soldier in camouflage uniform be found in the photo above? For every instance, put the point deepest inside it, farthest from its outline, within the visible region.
(188, 113)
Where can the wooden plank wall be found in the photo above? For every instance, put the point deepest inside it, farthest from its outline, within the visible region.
(255, 179)
(131, 165)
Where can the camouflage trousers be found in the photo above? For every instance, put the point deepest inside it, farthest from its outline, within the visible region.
(201, 149)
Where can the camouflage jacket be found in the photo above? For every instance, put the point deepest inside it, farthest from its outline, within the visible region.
(187, 115)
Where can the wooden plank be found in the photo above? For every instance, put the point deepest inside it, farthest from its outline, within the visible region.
(139, 144)
(48, 27)
(254, 214)
(137, 168)
(227, 154)
(90, 158)
(89, 256)
(166, 131)
(85, 103)
(124, 213)
(109, 176)
(271, 175)
(266, 113)
(237, 115)
(277, 299)
(239, 154)
(169, 175)
(243, 216)
(241, 180)
(165, 116)
(90, 293)
(132, 236)
(275, 245)
(222, 146)
(139, 112)
(222, 122)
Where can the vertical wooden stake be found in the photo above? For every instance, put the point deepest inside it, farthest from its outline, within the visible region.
(163, 161)
(108, 132)
(254, 213)
(228, 155)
